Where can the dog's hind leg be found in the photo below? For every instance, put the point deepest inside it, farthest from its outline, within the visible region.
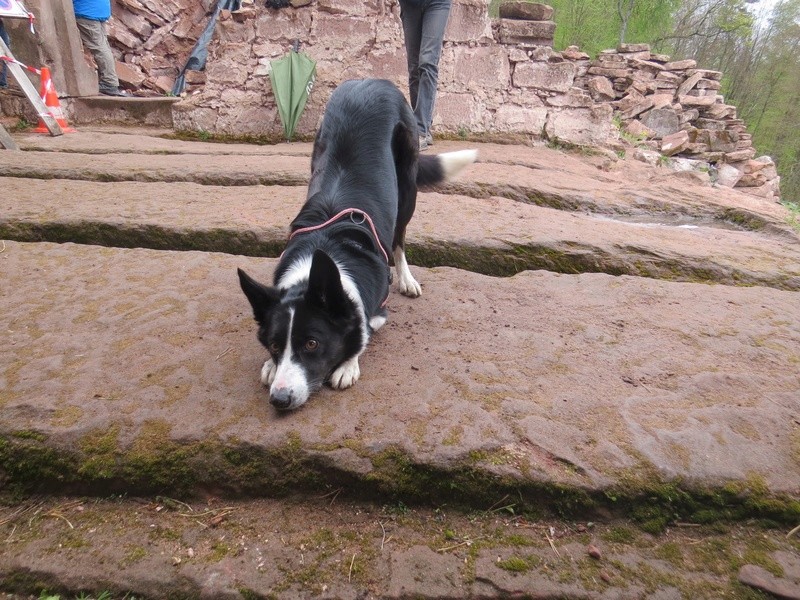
(404, 146)
(406, 283)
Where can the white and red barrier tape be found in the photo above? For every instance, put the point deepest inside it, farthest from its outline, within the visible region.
(8, 59)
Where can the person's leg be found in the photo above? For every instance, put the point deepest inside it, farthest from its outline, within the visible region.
(93, 35)
(4, 68)
(434, 22)
(411, 16)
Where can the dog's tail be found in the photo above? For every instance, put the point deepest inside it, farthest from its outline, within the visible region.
(437, 168)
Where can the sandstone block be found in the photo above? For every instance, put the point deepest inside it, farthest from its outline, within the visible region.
(674, 143)
(716, 140)
(663, 121)
(574, 98)
(646, 65)
(646, 103)
(342, 32)
(689, 83)
(680, 65)
(727, 175)
(713, 75)
(526, 11)
(530, 33)
(481, 66)
(600, 89)
(740, 155)
(608, 72)
(582, 126)
(708, 84)
(650, 157)
(633, 48)
(574, 53)
(638, 129)
(719, 111)
(129, 75)
(527, 119)
(696, 101)
(557, 77)
(469, 21)
(752, 180)
(670, 78)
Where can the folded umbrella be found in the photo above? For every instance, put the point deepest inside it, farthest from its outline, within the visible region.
(292, 78)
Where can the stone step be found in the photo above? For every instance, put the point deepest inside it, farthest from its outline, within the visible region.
(493, 236)
(332, 547)
(136, 371)
(528, 174)
(154, 111)
(520, 208)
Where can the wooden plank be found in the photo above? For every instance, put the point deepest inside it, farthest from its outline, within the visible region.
(30, 93)
(6, 141)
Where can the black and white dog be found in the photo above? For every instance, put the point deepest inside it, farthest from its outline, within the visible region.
(332, 281)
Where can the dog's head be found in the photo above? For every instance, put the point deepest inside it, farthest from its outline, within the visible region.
(309, 329)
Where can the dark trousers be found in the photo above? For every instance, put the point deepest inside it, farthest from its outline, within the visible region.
(4, 67)
(424, 22)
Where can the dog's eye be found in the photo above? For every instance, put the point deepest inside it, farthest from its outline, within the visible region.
(275, 348)
(312, 345)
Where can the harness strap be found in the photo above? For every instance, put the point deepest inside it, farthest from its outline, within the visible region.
(351, 212)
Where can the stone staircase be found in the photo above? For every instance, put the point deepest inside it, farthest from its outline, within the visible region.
(603, 362)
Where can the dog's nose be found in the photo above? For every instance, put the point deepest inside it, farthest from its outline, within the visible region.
(280, 398)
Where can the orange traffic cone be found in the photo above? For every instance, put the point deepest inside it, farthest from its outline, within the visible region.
(50, 99)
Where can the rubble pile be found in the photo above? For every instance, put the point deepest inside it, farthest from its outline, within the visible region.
(676, 108)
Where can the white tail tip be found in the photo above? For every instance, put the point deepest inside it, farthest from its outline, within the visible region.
(453, 162)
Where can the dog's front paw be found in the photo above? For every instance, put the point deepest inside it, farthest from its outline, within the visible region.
(346, 375)
(268, 372)
(409, 286)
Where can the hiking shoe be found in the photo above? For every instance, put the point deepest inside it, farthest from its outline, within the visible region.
(423, 143)
(115, 92)
(429, 139)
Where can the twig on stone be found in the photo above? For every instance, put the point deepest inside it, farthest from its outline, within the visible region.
(167, 500)
(464, 543)
(59, 516)
(383, 541)
(350, 574)
(4, 246)
(228, 349)
(793, 531)
(552, 545)
(11, 535)
(503, 499)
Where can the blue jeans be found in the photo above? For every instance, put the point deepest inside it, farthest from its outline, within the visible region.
(4, 69)
(424, 22)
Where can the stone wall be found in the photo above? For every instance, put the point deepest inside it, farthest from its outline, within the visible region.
(497, 76)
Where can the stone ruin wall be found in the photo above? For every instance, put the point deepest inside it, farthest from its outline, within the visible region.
(497, 76)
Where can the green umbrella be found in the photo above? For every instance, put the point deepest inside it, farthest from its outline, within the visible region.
(292, 79)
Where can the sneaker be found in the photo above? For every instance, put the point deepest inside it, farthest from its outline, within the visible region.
(115, 92)
(429, 139)
(423, 143)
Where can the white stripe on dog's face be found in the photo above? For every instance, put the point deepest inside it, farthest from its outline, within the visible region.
(290, 387)
(296, 273)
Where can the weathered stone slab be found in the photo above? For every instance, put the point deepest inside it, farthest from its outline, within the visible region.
(512, 31)
(526, 11)
(556, 77)
(167, 371)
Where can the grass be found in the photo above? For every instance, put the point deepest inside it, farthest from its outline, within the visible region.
(794, 214)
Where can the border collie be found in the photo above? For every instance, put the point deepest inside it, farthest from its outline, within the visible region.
(332, 281)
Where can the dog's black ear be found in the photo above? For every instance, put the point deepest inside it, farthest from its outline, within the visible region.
(325, 285)
(262, 298)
